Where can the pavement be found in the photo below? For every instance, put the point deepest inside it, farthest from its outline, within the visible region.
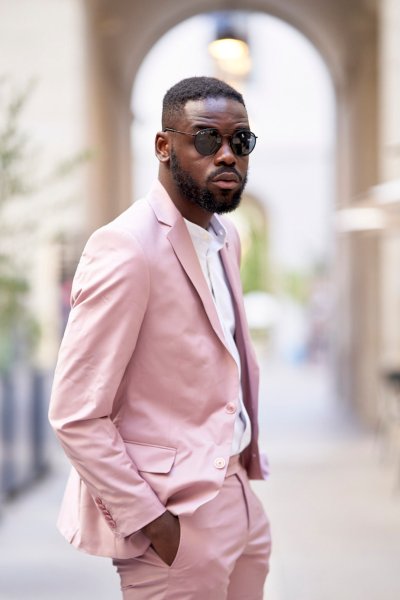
(333, 499)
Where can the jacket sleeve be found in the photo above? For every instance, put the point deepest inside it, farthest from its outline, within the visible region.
(109, 298)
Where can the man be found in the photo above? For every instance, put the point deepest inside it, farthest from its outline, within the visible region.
(155, 391)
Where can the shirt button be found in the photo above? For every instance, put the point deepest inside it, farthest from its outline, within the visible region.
(230, 408)
(219, 463)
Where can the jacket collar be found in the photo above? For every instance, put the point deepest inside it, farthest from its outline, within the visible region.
(180, 240)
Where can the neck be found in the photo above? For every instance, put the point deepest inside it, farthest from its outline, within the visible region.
(188, 209)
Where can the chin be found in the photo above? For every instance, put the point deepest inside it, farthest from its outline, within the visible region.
(227, 205)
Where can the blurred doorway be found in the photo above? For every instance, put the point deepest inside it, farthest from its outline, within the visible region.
(290, 99)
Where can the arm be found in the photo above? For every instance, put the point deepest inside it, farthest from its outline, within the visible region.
(109, 299)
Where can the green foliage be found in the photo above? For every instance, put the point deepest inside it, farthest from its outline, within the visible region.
(255, 267)
(14, 143)
(15, 319)
(68, 166)
(255, 262)
(14, 153)
(21, 214)
(296, 285)
(299, 284)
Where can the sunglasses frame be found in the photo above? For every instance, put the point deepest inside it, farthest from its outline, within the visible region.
(201, 131)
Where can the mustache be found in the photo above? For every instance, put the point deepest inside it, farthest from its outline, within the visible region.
(225, 171)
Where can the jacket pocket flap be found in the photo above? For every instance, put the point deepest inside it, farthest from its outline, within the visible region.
(149, 458)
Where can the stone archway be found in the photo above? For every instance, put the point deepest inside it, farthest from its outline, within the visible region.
(120, 34)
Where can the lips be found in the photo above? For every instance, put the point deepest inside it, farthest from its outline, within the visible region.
(226, 177)
(226, 181)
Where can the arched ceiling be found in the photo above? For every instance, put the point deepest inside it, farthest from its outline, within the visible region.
(128, 28)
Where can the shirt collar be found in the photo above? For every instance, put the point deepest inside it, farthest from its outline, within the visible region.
(211, 239)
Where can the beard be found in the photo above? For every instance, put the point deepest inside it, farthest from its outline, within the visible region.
(201, 196)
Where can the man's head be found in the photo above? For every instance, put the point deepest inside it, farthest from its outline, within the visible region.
(204, 146)
(194, 88)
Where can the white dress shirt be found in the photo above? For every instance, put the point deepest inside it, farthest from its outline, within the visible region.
(207, 244)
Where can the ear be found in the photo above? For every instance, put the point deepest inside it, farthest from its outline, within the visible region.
(162, 147)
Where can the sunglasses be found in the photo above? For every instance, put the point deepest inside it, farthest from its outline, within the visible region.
(209, 141)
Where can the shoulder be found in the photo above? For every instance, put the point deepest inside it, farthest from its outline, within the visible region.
(115, 249)
(126, 234)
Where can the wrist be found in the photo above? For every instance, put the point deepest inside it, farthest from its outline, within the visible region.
(154, 527)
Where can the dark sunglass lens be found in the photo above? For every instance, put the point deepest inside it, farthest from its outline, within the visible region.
(207, 141)
(243, 142)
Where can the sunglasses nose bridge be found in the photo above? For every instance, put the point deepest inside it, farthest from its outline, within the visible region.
(225, 152)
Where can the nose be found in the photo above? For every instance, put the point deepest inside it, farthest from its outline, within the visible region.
(225, 155)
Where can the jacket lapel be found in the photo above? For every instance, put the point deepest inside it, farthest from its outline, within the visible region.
(233, 277)
(249, 376)
(242, 336)
(180, 240)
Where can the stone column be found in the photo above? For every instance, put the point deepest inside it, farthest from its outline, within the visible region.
(389, 190)
(357, 329)
(109, 119)
(389, 70)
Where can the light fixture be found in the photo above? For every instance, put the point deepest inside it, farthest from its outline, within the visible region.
(230, 48)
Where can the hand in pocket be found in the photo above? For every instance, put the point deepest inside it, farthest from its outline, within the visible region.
(164, 534)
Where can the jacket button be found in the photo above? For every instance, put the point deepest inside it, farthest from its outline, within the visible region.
(219, 463)
(230, 408)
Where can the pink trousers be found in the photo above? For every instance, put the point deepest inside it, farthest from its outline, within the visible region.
(223, 552)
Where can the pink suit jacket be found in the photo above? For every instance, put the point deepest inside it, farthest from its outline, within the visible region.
(143, 380)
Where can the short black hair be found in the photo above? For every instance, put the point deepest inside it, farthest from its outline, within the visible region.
(194, 88)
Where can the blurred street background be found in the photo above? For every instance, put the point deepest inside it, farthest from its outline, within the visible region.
(332, 498)
(81, 86)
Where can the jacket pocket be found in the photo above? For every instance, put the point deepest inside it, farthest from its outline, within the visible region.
(149, 458)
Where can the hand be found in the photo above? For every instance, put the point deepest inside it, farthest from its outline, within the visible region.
(164, 534)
